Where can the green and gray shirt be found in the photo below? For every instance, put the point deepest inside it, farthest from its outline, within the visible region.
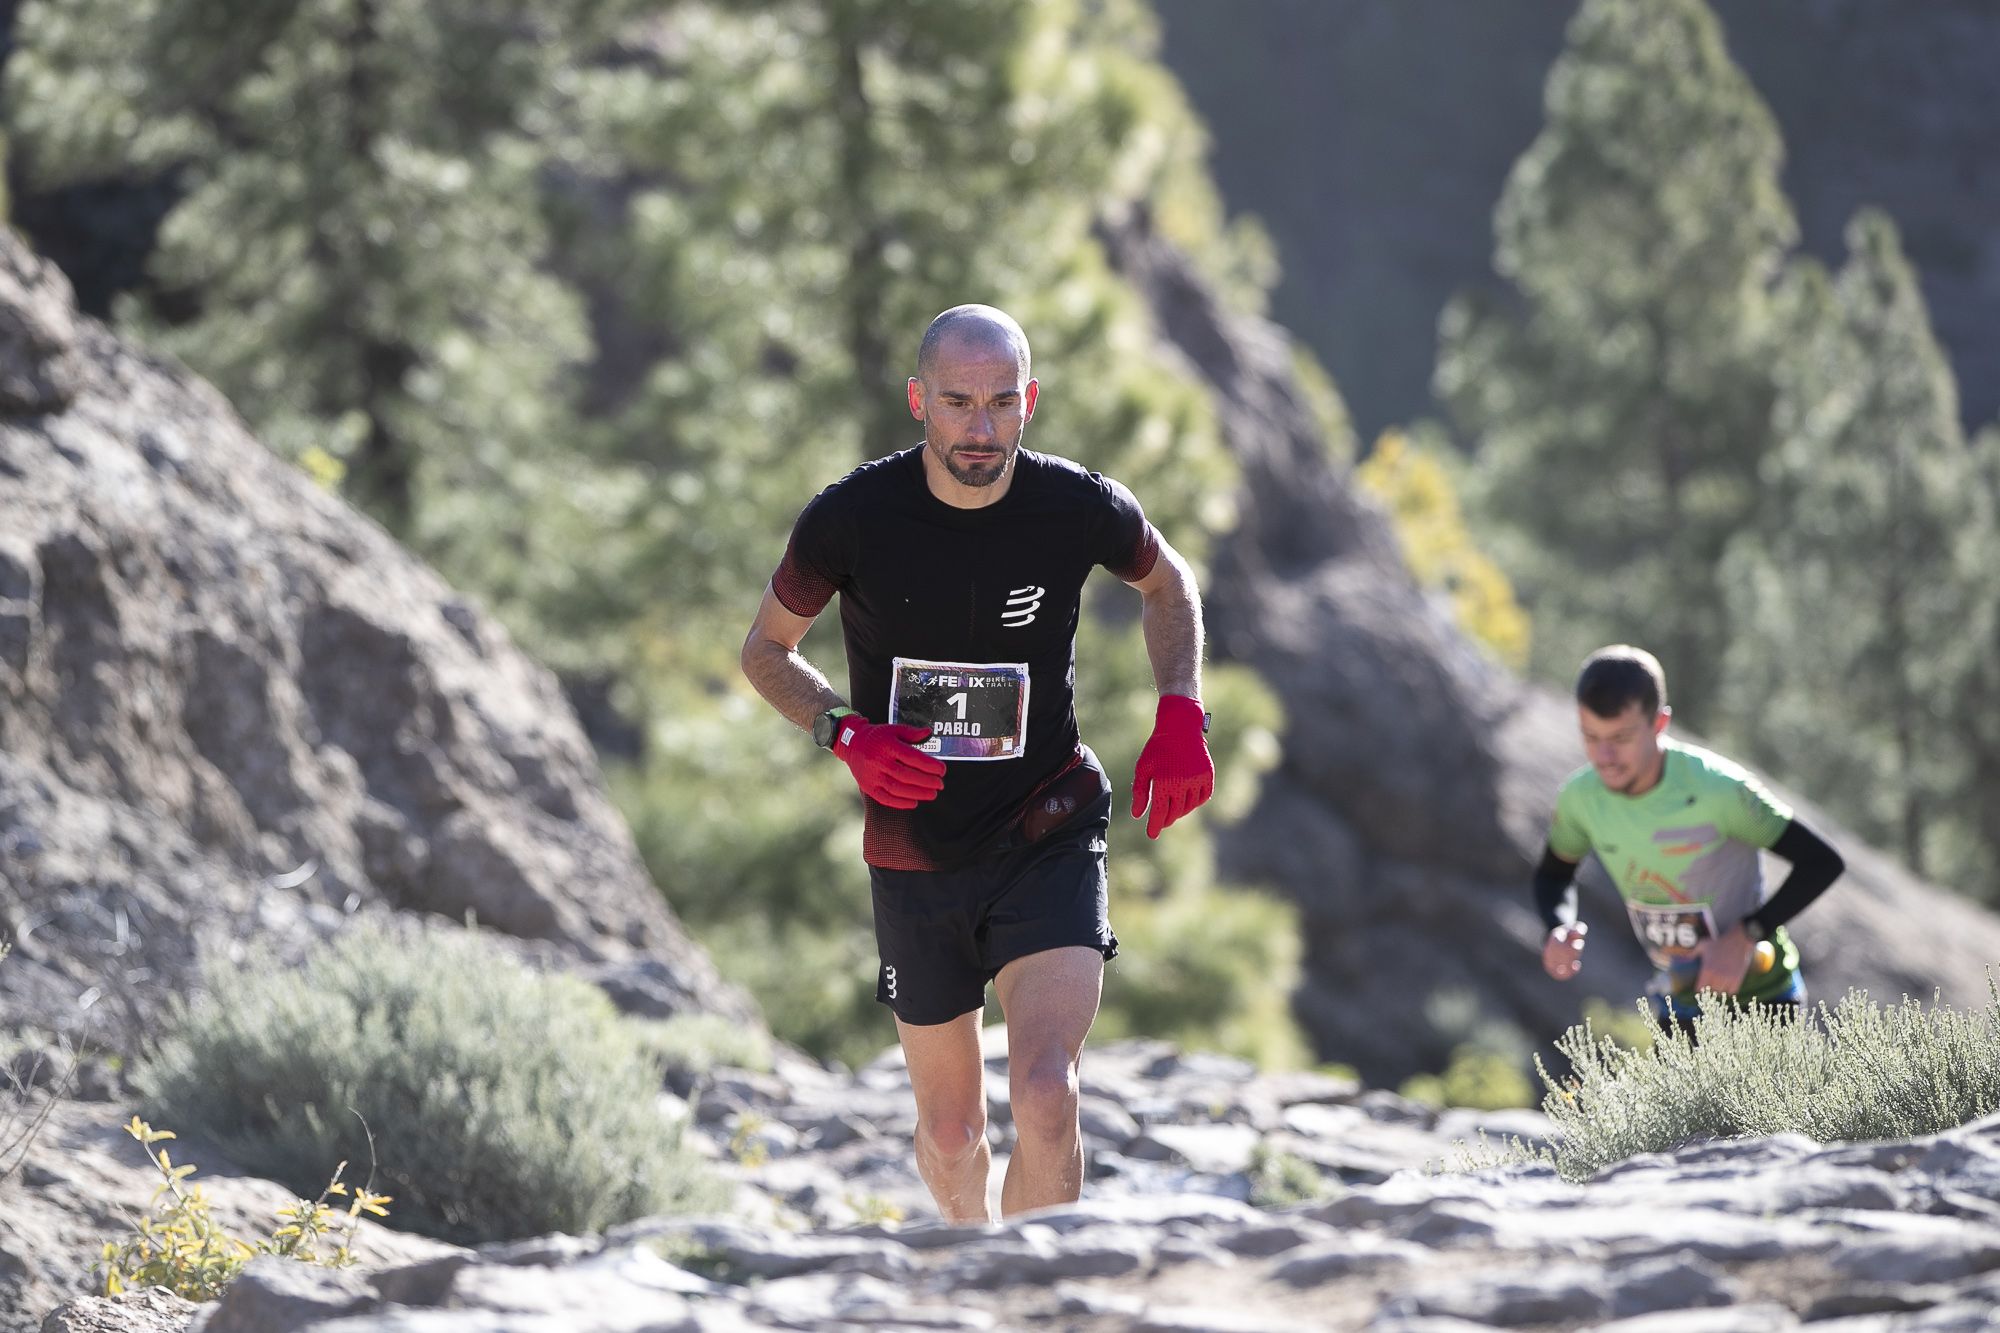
(1682, 855)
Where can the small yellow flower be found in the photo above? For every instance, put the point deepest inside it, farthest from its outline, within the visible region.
(145, 1133)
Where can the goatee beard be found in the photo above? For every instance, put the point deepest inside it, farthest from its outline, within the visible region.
(977, 474)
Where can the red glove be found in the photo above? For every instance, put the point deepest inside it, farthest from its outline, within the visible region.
(887, 766)
(1174, 769)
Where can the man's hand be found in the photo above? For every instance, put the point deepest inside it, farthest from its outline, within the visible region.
(1724, 960)
(886, 764)
(1562, 951)
(1175, 773)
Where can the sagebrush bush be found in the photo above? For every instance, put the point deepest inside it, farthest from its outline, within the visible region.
(1857, 1070)
(692, 1045)
(502, 1102)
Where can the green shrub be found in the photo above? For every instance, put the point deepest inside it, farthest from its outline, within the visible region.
(1479, 1078)
(1490, 1057)
(694, 1044)
(503, 1102)
(1280, 1178)
(1857, 1070)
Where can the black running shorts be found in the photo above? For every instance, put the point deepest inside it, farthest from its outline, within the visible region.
(943, 934)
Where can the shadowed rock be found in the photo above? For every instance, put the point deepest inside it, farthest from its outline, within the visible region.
(1418, 778)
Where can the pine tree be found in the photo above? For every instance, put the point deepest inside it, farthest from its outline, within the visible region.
(356, 261)
(1971, 854)
(1619, 402)
(1851, 596)
(1414, 478)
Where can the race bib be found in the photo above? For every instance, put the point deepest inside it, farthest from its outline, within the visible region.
(1672, 932)
(976, 710)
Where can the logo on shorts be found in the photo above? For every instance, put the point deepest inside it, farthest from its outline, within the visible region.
(889, 981)
(1022, 603)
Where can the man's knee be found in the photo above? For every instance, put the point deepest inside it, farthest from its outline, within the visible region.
(1044, 1096)
(950, 1139)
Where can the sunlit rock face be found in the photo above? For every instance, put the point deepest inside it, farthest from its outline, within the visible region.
(233, 712)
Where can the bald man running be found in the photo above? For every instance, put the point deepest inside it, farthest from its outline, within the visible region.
(960, 566)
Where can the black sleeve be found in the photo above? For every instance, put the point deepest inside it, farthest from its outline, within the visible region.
(817, 558)
(1814, 866)
(1555, 890)
(1126, 544)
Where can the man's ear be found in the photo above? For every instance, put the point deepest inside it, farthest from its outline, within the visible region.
(1034, 392)
(1661, 718)
(916, 392)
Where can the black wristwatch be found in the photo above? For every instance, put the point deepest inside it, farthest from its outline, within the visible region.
(826, 724)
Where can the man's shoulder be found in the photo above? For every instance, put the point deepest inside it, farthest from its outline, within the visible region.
(876, 480)
(1580, 785)
(1065, 475)
(1706, 768)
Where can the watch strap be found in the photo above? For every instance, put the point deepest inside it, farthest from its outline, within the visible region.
(827, 725)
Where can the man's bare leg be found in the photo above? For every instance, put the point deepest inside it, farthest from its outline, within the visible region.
(1050, 1000)
(949, 1080)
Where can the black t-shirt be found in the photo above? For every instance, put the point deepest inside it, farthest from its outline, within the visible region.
(980, 606)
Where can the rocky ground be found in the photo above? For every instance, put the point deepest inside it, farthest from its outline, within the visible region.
(1181, 1227)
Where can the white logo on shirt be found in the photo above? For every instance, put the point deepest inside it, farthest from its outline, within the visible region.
(1022, 603)
(889, 981)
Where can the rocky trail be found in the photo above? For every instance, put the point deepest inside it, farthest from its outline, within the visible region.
(1177, 1231)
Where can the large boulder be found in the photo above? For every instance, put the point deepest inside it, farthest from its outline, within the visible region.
(1417, 777)
(234, 710)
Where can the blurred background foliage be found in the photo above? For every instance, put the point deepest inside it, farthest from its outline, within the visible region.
(583, 299)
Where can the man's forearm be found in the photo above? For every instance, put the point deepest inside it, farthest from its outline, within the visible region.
(1555, 890)
(1172, 623)
(1815, 866)
(789, 683)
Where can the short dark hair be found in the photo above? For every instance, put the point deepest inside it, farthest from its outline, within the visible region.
(1616, 677)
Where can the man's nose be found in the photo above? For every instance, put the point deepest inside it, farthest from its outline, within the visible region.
(982, 425)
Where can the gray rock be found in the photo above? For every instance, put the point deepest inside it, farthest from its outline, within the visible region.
(1219, 1149)
(272, 1293)
(147, 1310)
(1105, 1123)
(1911, 1257)
(1668, 1284)
(1735, 1319)
(41, 369)
(1208, 1319)
(1560, 1294)
(1359, 1254)
(1275, 1237)
(1870, 1298)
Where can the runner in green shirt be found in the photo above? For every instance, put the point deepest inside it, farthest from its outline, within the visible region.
(1678, 829)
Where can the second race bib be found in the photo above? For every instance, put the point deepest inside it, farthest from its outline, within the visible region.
(1671, 932)
(976, 710)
